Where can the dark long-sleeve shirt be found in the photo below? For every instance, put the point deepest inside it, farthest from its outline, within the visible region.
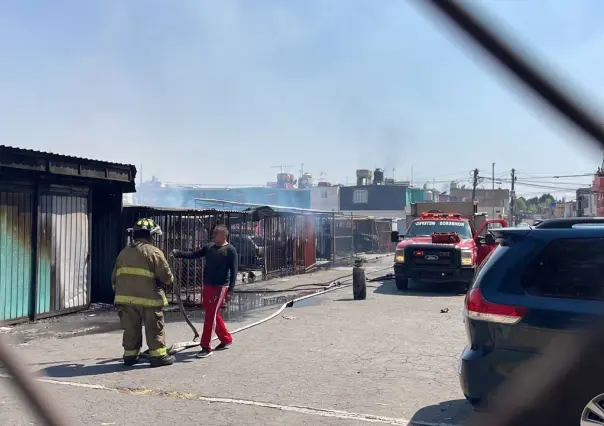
(221, 264)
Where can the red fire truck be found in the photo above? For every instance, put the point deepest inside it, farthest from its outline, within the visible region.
(443, 247)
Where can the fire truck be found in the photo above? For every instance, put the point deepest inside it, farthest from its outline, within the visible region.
(441, 246)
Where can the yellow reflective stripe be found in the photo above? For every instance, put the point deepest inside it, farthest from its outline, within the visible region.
(134, 352)
(141, 272)
(142, 301)
(158, 353)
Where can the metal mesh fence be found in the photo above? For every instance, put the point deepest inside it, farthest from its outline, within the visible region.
(278, 245)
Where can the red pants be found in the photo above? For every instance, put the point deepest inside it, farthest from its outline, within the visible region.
(212, 298)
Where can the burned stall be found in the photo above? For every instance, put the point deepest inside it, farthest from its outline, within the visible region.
(268, 243)
(57, 231)
(372, 235)
(189, 229)
(290, 244)
(343, 226)
(324, 240)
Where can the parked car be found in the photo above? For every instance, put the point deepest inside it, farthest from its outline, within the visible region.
(539, 283)
(249, 248)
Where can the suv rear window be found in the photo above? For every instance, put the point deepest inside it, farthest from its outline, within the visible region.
(568, 268)
(490, 259)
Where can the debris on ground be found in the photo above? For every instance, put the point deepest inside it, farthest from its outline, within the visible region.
(386, 277)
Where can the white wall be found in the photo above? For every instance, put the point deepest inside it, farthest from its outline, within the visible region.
(592, 210)
(379, 213)
(493, 212)
(325, 198)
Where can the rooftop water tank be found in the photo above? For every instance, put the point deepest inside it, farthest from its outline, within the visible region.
(378, 177)
(364, 177)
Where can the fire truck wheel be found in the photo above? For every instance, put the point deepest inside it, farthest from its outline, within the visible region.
(402, 283)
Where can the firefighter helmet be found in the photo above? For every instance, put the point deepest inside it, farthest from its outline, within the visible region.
(147, 225)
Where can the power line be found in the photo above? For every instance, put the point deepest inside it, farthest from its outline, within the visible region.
(559, 183)
(558, 176)
(534, 185)
(462, 172)
(557, 188)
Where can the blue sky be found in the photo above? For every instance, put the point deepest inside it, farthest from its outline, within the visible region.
(217, 92)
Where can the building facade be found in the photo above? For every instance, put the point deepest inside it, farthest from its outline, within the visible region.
(325, 198)
(494, 202)
(375, 200)
(586, 202)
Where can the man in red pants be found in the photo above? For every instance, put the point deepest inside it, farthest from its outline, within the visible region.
(219, 278)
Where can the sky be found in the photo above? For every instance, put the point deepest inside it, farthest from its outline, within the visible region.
(221, 92)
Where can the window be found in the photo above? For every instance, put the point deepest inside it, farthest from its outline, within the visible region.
(568, 268)
(324, 193)
(490, 259)
(425, 228)
(360, 196)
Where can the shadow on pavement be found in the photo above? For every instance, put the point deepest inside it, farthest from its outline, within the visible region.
(445, 413)
(82, 370)
(107, 366)
(423, 289)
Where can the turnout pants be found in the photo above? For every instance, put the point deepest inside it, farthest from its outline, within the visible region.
(212, 299)
(132, 320)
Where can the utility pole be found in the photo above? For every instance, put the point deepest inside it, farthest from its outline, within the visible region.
(513, 200)
(493, 176)
(474, 184)
(493, 191)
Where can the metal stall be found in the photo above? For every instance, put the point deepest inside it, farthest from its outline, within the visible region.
(46, 233)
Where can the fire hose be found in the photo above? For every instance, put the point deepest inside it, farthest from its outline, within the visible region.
(328, 286)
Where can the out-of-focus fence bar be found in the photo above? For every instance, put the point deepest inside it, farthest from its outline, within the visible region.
(269, 243)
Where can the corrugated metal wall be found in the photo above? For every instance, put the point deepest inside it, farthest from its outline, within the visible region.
(63, 253)
(15, 254)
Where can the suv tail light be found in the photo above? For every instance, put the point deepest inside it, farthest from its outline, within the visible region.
(477, 308)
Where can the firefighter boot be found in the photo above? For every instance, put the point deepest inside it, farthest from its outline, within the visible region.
(162, 361)
(129, 361)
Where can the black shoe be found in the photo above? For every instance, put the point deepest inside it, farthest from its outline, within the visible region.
(204, 353)
(129, 361)
(223, 346)
(163, 361)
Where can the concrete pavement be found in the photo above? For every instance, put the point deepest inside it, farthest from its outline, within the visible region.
(390, 359)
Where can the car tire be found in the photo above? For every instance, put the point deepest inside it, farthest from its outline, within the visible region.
(402, 283)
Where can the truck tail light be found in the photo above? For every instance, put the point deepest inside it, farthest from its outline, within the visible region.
(477, 308)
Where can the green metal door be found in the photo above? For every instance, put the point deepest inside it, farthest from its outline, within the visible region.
(15, 254)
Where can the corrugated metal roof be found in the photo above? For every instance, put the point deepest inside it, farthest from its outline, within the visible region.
(181, 210)
(32, 152)
(215, 203)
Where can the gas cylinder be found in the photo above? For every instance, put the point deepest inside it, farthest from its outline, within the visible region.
(359, 286)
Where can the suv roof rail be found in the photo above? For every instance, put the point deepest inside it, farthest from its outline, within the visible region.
(564, 223)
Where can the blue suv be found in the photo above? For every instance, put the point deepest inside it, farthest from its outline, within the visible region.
(540, 282)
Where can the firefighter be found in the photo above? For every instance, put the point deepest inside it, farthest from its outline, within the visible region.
(141, 272)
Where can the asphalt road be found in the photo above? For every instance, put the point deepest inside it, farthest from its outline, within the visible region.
(390, 359)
